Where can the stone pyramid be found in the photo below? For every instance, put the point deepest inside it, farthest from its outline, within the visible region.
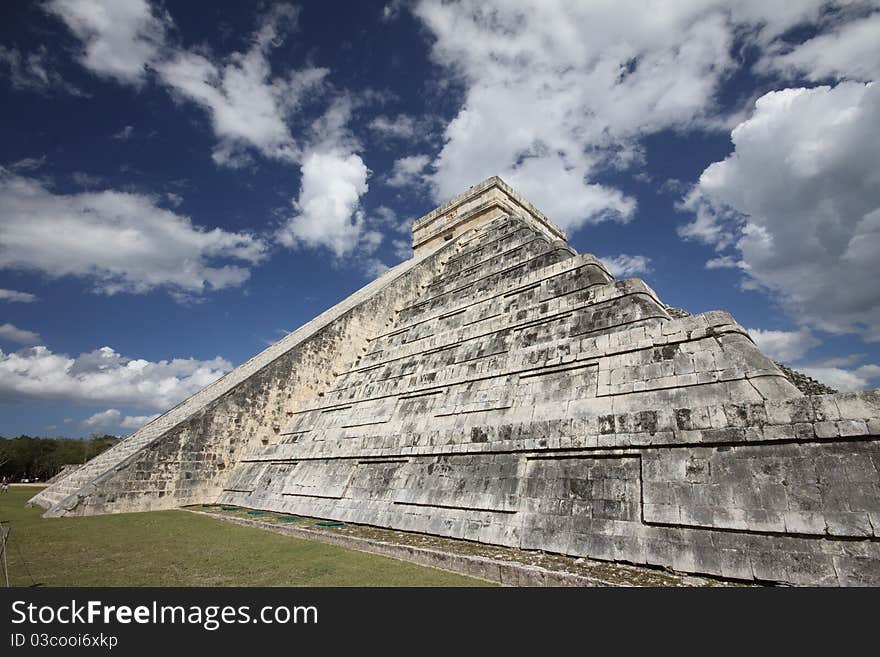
(500, 387)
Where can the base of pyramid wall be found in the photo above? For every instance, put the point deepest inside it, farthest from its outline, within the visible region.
(788, 511)
(506, 567)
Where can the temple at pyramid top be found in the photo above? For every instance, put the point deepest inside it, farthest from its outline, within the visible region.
(480, 204)
(501, 387)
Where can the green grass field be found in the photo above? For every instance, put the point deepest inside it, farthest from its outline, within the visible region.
(177, 548)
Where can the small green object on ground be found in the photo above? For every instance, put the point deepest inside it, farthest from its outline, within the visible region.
(330, 523)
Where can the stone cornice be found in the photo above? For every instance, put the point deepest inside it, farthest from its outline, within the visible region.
(492, 193)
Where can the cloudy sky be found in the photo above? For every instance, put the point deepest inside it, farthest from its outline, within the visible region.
(182, 183)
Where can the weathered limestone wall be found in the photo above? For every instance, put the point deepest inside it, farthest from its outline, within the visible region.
(186, 455)
(752, 494)
(529, 400)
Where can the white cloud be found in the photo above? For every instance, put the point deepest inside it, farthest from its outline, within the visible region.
(850, 51)
(124, 134)
(784, 346)
(87, 180)
(723, 262)
(330, 131)
(840, 361)
(247, 106)
(845, 373)
(860, 378)
(623, 265)
(557, 92)
(402, 249)
(403, 126)
(103, 419)
(562, 195)
(135, 422)
(113, 418)
(27, 164)
(34, 71)
(407, 171)
(12, 333)
(391, 10)
(386, 216)
(799, 202)
(103, 376)
(250, 109)
(373, 267)
(14, 296)
(122, 242)
(328, 210)
(119, 37)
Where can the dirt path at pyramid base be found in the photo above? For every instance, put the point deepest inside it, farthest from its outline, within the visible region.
(494, 563)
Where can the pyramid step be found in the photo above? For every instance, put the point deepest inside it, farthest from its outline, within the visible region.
(97, 466)
(515, 262)
(475, 289)
(518, 230)
(559, 278)
(592, 310)
(705, 360)
(526, 244)
(545, 298)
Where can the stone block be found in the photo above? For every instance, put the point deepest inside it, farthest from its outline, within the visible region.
(825, 408)
(848, 524)
(852, 427)
(858, 405)
(779, 432)
(804, 522)
(826, 429)
(804, 431)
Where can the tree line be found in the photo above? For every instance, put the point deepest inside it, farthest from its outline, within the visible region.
(39, 459)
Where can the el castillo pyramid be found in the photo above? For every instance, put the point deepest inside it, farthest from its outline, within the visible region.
(502, 388)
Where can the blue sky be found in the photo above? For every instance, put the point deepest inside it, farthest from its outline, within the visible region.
(182, 183)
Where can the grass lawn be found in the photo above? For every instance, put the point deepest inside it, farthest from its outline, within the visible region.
(178, 548)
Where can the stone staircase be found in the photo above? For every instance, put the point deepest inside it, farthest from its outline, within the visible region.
(102, 463)
(65, 487)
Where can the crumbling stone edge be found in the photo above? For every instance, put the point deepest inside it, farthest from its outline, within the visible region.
(506, 573)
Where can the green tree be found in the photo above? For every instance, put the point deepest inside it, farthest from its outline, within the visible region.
(26, 457)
